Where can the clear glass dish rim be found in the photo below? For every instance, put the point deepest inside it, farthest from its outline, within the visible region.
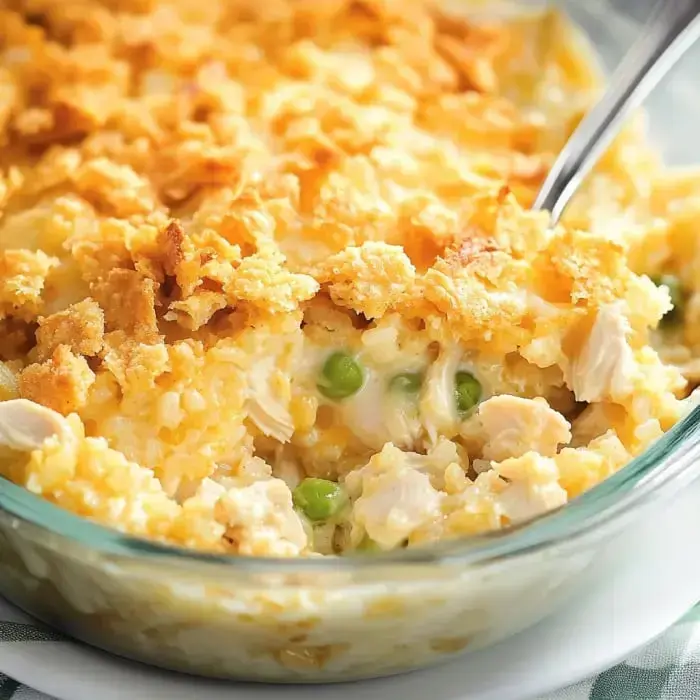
(667, 460)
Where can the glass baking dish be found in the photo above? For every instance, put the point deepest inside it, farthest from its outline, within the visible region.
(317, 620)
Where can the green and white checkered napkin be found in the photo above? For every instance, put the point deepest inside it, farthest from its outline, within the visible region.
(668, 669)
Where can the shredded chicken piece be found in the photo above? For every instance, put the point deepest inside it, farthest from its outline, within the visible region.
(437, 402)
(514, 426)
(267, 411)
(395, 499)
(604, 368)
(26, 426)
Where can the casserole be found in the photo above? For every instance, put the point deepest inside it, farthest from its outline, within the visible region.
(311, 619)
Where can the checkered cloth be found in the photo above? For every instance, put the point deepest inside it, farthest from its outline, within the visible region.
(668, 669)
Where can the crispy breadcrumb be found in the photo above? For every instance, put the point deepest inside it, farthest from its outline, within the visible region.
(128, 300)
(116, 188)
(80, 327)
(62, 382)
(369, 279)
(263, 282)
(23, 275)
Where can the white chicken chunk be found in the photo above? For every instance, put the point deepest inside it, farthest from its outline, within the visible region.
(265, 409)
(262, 520)
(395, 499)
(437, 403)
(514, 426)
(25, 425)
(605, 365)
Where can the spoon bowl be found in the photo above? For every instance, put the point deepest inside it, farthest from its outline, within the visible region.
(672, 28)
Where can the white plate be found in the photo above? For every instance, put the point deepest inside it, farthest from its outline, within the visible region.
(647, 580)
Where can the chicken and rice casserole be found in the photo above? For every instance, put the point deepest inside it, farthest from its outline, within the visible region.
(270, 284)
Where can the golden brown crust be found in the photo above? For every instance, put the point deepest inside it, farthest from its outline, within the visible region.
(132, 363)
(595, 268)
(243, 174)
(370, 279)
(22, 278)
(128, 300)
(197, 310)
(62, 382)
(116, 189)
(264, 283)
(471, 49)
(80, 327)
(171, 243)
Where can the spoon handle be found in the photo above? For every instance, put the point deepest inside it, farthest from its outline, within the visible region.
(673, 27)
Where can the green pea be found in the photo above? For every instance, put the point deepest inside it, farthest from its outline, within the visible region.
(467, 391)
(319, 499)
(341, 376)
(675, 290)
(406, 382)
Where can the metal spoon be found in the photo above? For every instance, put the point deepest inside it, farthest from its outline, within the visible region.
(674, 25)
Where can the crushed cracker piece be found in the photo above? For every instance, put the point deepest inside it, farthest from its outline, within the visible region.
(61, 383)
(369, 279)
(80, 327)
(22, 278)
(128, 300)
